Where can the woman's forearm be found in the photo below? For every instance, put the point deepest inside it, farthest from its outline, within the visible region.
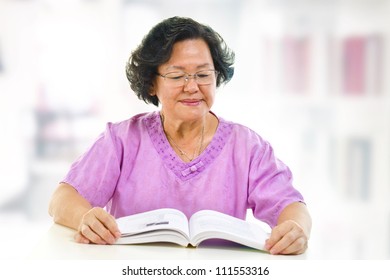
(67, 206)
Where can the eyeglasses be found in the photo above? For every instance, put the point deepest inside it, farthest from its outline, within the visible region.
(180, 78)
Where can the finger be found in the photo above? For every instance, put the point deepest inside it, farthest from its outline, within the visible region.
(79, 238)
(299, 246)
(91, 234)
(276, 235)
(99, 226)
(294, 239)
(109, 223)
(101, 230)
(105, 226)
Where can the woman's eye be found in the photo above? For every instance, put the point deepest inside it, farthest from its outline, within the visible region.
(175, 76)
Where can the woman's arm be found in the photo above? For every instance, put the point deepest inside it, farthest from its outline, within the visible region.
(93, 224)
(292, 233)
(67, 206)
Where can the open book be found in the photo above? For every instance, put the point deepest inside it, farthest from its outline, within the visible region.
(171, 225)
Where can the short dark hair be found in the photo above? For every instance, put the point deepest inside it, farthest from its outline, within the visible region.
(156, 49)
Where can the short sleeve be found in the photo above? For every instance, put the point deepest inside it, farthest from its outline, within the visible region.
(270, 185)
(95, 174)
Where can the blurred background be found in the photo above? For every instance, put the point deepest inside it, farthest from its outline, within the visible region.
(310, 77)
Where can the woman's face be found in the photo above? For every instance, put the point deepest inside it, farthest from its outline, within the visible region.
(188, 102)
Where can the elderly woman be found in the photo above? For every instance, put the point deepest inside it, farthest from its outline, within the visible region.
(183, 156)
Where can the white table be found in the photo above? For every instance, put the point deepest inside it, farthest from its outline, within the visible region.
(58, 244)
(59, 252)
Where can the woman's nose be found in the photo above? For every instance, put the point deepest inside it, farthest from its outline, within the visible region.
(191, 85)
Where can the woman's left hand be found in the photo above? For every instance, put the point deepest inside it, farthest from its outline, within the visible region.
(287, 238)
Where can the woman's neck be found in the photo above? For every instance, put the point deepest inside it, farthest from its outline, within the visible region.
(190, 138)
(183, 130)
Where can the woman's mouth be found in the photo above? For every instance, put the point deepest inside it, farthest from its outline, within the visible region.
(191, 102)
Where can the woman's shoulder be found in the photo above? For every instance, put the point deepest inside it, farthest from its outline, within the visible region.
(245, 138)
(137, 119)
(239, 129)
(133, 125)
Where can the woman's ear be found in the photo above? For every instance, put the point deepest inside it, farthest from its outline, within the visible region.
(152, 92)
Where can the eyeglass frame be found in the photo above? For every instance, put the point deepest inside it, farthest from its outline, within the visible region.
(187, 76)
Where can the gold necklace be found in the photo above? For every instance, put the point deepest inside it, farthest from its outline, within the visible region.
(183, 153)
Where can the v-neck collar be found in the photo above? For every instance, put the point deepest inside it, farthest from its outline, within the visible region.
(185, 170)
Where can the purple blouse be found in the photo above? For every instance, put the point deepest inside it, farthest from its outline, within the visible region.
(132, 168)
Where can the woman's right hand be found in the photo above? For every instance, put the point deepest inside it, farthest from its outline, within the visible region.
(97, 226)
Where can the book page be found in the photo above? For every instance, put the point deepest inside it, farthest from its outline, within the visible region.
(208, 224)
(155, 236)
(155, 220)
